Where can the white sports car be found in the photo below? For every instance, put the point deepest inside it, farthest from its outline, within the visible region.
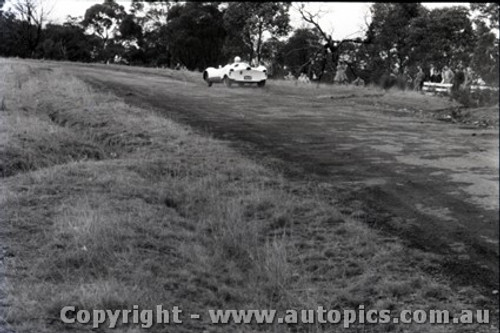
(238, 72)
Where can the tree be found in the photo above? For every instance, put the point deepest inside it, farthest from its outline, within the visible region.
(104, 21)
(65, 42)
(272, 56)
(302, 51)
(443, 36)
(485, 59)
(11, 36)
(129, 28)
(247, 22)
(156, 12)
(152, 16)
(33, 15)
(132, 39)
(195, 35)
(389, 34)
(332, 49)
(487, 13)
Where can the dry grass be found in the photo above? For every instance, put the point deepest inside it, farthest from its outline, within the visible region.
(30, 140)
(165, 216)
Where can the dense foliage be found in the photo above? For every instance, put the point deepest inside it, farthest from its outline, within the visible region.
(399, 38)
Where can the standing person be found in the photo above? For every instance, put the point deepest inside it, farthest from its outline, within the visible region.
(419, 79)
(435, 75)
(438, 77)
(432, 73)
(468, 78)
(408, 81)
(340, 75)
(458, 78)
(447, 75)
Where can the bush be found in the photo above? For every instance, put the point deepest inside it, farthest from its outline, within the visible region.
(477, 98)
(388, 81)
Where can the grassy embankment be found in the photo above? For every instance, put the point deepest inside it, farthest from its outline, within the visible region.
(106, 206)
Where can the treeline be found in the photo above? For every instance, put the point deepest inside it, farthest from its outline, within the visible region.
(400, 38)
(151, 33)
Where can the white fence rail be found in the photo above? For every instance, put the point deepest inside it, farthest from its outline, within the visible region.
(433, 87)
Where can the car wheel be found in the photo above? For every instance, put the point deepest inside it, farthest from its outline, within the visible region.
(261, 83)
(205, 77)
(227, 81)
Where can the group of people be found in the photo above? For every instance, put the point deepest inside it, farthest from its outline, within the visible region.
(461, 78)
(303, 78)
(461, 75)
(340, 76)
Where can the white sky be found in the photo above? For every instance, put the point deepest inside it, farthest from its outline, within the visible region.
(348, 19)
(340, 19)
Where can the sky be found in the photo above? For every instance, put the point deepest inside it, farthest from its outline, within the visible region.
(348, 19)
(340, 19)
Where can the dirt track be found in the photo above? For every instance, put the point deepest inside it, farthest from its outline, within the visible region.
(431, 183)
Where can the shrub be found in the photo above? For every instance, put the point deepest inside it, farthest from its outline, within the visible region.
(388, 81)
(475, 98)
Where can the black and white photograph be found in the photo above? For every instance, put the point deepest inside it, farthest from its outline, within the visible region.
(241, 167)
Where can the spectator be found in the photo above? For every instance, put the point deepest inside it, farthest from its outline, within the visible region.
(419, 79)
(435, 75)
(340, 75)
(468, 78)
(407, 80)
(458, 78)
(304, 79)
(358, 82)
(289, 76)
(447, 75)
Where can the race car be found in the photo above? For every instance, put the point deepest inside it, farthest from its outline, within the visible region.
(237, 72)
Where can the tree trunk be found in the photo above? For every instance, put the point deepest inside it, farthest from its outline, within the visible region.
(259, 44)
(323, 66)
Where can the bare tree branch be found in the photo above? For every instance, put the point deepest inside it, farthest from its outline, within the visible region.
(334, 46)
(312, 19)
(32, 11)
(34, 15)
